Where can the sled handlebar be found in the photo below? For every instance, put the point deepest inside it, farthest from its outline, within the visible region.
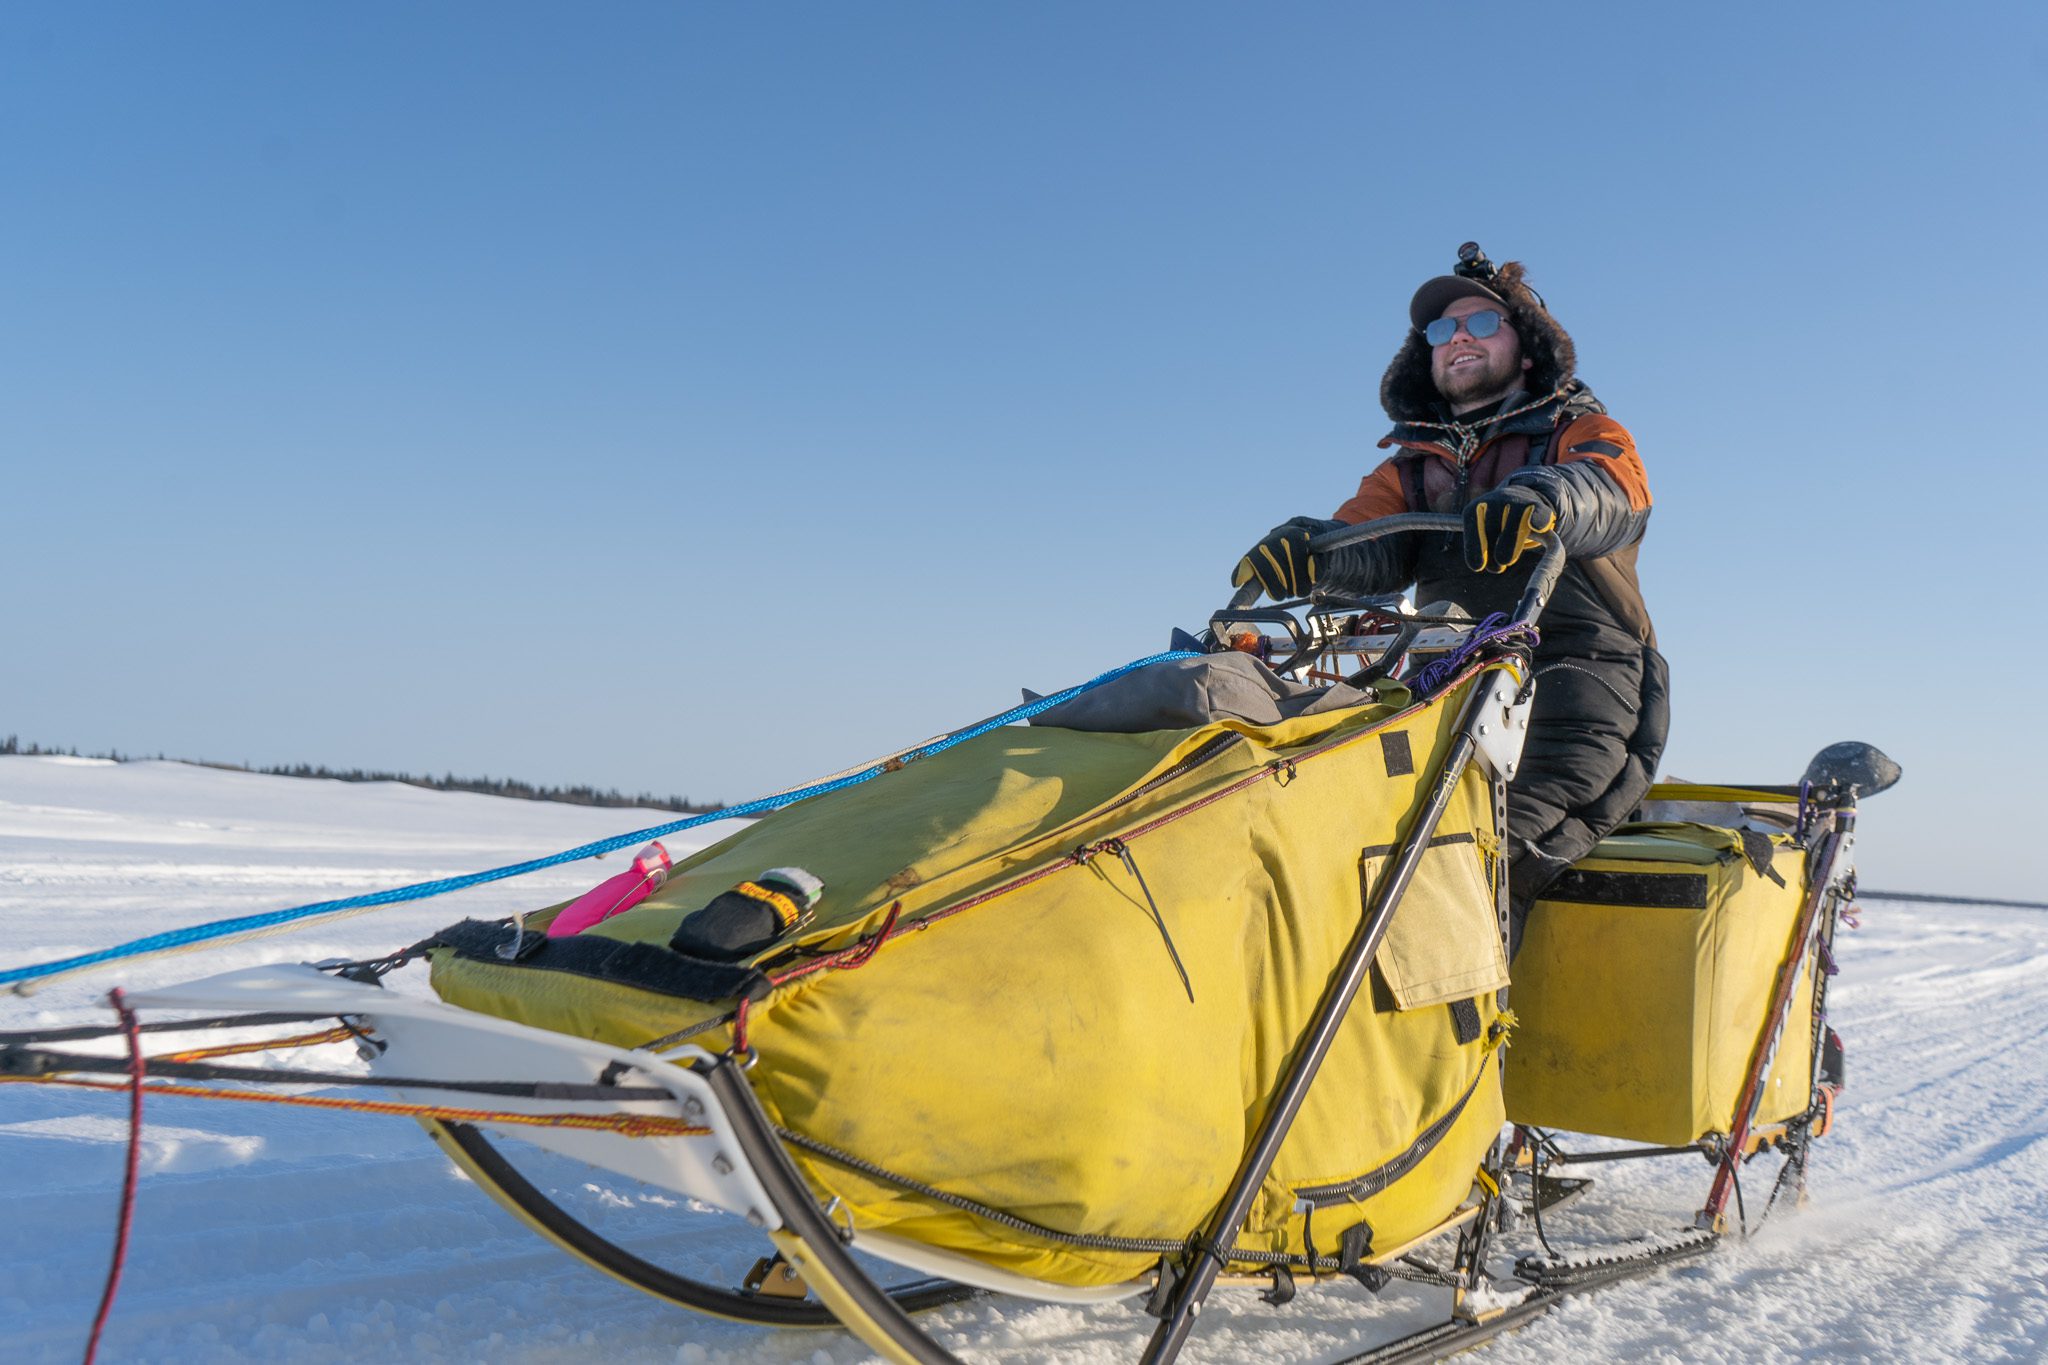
(1548, 567)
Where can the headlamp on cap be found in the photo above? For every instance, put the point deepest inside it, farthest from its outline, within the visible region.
(1472, 263)
(1473, 277)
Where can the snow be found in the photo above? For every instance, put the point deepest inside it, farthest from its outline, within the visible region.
(270, 1233)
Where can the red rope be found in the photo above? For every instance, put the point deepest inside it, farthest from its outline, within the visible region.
(739, 1027)
(860, 952)
(858, 955)
(136, 1069)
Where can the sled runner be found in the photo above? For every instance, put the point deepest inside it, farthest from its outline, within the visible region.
(1201, 977)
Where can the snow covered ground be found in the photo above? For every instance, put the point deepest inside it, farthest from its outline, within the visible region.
(275, 1234)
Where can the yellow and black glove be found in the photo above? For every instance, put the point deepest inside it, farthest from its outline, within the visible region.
(1281, 563)
(1502, 524)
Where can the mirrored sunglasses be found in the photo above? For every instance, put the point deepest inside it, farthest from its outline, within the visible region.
(1481, 325)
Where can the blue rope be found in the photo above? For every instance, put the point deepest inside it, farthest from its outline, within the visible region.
(247, 924)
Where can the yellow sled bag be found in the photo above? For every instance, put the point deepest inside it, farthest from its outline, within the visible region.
(1644, 979)
(1054, 976)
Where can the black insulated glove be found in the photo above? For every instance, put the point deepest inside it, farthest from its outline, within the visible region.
(1502, 524)
(750, 917)
(1281, 564)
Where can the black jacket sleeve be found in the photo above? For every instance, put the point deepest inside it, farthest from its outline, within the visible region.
(1594, 517)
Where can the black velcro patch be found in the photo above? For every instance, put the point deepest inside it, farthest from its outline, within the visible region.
(1394, 748)
(1651, 890)
(644, 966)
(1465, 1019)
(1598, 448)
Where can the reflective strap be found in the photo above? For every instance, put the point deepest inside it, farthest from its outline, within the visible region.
(787, 911)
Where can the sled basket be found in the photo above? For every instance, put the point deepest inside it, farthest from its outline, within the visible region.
(985, 1042)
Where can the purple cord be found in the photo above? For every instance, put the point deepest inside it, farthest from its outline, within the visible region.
(1493, 629)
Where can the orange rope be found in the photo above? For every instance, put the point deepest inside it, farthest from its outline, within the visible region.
(627, 1125)
(339, 1034)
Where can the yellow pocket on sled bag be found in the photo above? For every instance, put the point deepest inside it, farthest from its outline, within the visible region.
(1643, 981)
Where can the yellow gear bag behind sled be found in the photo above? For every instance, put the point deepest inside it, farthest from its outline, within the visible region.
(1643, 981)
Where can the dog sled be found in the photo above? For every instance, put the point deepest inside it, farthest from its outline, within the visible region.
(1201, 978)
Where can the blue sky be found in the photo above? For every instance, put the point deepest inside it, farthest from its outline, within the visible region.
(704, 397)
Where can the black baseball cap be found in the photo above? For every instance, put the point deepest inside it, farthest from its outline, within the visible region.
(1440, 293)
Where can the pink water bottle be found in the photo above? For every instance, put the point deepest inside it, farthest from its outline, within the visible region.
(614, 895)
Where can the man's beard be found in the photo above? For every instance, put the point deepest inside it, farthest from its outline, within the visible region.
(1494, 377)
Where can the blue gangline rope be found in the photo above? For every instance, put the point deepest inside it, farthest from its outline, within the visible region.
(174, 939)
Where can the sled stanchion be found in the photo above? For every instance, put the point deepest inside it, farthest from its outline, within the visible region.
(1208, 1259)
(1206, 1254)
(810, 1240)
(1714, 1215)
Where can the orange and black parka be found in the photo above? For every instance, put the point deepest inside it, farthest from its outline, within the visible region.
(1565, 445)
(1598, 727)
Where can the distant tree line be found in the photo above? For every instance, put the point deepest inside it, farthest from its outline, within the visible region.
(486, 786)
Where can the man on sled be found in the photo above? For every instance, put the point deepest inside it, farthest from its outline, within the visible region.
(1492, 424)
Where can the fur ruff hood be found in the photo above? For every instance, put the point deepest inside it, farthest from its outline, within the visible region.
(1409, 394)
